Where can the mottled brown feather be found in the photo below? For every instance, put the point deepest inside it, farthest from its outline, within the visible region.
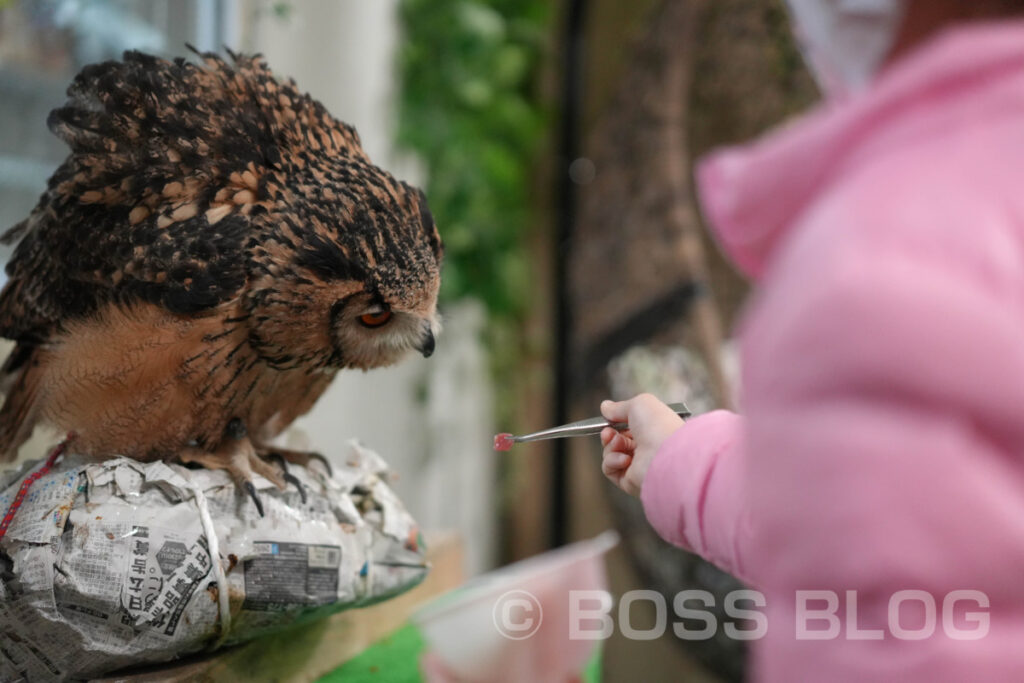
(204, 254)
(130, 382)
(21, 405)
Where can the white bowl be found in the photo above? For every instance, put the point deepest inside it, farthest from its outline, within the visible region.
(513, 624)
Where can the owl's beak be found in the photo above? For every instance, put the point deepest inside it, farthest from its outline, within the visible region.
(427, 344)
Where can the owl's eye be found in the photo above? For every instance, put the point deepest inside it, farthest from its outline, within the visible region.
(375, 319)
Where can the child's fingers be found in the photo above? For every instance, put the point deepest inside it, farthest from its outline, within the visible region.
(618, 454)
(615, 463)
(615, 411)
(617, 441)
(622, 443)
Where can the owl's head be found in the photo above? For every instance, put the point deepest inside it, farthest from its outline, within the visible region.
(345, 271)
(387, 275)
(347, 274)
(229, 186)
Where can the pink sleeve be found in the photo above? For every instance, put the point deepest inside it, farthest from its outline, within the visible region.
(884, 393)
(692, 491)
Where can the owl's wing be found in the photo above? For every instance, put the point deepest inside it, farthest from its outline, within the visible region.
(146, 206)
(65, 269)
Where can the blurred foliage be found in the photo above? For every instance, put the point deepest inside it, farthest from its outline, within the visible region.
(469, 109)
(282, 10)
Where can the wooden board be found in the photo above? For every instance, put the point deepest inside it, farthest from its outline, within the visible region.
(307, 652)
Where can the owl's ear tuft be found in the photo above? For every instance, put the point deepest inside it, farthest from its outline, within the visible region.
(428, 225)
(326, 258)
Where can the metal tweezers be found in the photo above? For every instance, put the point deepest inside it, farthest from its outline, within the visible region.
(593, 425)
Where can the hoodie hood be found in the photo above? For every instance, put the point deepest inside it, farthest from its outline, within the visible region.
(752, 195)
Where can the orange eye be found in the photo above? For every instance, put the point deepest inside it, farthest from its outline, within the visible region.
(375, 319)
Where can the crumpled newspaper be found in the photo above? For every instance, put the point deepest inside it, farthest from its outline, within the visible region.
(109, 564)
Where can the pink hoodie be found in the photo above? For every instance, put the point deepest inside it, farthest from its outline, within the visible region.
(882, 448)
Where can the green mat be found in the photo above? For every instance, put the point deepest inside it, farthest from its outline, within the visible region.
(396, 659)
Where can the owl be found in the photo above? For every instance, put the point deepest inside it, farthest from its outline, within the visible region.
(214, 249)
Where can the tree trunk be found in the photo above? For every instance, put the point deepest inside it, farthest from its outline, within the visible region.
(644, 274)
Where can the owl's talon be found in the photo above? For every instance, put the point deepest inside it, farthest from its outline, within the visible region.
(251, 489)
(301, 458)
(325, 462)
(289, 477)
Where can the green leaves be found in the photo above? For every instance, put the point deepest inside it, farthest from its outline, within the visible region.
(469, 109)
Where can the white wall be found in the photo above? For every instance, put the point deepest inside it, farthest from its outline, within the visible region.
(340, 51)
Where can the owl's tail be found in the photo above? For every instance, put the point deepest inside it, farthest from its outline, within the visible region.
(19, 380)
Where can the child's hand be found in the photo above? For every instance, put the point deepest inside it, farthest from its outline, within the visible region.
(628, 454)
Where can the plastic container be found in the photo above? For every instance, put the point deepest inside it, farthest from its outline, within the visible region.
(514, 624)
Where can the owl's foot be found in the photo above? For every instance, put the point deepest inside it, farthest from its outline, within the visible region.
(237, 455)
(295, 457)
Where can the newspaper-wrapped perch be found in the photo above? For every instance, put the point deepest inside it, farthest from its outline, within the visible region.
(117, 563)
